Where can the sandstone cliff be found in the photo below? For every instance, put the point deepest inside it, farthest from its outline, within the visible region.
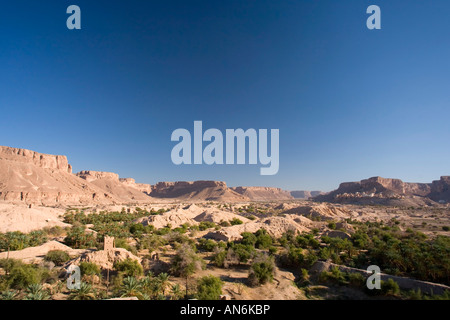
(263, 193)
(389, 191)
(124, 189)
(36, 178)
(196, 190)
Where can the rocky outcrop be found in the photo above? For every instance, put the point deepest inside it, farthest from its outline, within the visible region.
(124, 189)
(143, 187)
(263, 193)
(36, 178)
(440, 190)
(90, 176)
(196, 190)
(384, 191)
(45, 161)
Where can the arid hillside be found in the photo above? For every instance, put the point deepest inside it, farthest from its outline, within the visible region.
(384, 191)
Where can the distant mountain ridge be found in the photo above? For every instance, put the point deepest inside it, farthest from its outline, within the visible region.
(303, 194)
(384, 190)
(36, 178)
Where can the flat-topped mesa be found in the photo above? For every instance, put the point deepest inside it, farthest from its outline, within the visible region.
(440, 189)
(179, 185)
(45, 161)
(263, 193)
(192, 190)
(89, 175)
(386, 185)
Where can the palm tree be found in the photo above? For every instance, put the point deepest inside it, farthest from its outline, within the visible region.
(84, 293)
(131, 287)
(35, 291)
(176, 292)
(9, 295)
(163, 279)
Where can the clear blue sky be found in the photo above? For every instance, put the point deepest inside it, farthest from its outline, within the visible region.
(350, 103)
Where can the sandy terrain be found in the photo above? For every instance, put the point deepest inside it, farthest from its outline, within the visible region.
(19, 217)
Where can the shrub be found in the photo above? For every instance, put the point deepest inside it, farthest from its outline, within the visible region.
(243, 252)
(206, 225)
(332, 225)
(248, 238)
(58, 257)
(357, 280)
(23, 275)
(262, 270)
(446, 228)
(89, 268)
(263, 239)
(219, 257)
(129, 267)
(390, 287)
(207, 245)
(236, 221)
(209, 288)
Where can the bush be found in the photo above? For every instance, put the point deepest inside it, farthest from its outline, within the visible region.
(207, 245)
(236, 221)
(219, 257)
(248, 238)
(262, 270)
(446, 228)
(58, 257)
(390, 287)
(89, 268)
(206, 225)
(332, 225)
(263, 239)
(129, 267)
(357, 280)
(243, 252)
(209, 288)
(23, 275)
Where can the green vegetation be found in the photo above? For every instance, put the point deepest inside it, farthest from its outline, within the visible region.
(89, 268)
(20, 276)
(18, 241)
(261, 270)
(209, 288)
(58, 257)
(129, 267)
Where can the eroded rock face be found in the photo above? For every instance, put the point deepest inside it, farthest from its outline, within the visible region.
(263, 193)
(96, 175)
(125, 189)
(196, 190)
(143, 187)
(440, 189)
(45, 161)
(36, 178)
(381, 189)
